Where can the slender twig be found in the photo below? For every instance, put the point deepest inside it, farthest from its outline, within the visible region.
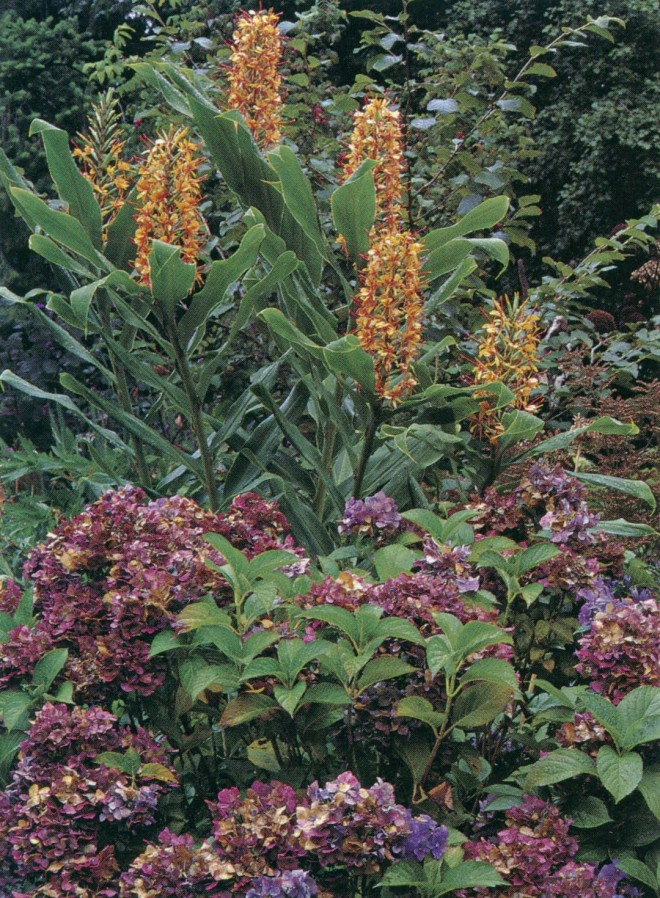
(490, 109)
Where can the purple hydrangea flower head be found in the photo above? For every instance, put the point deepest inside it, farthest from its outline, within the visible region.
(534, 843)
(595, 598)
(290, 884)
(174, 868)
(621, 650)
(450, 562)
(370, 515)
(113, 576)
(63, 810)
(255, 832)
(425, 837)
(10, 595)
(346, 824)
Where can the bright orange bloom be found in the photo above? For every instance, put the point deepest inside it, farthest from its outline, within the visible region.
(254, 78)
(377, 135)
(388, 310)
(169, 193)
(507, 353)
(100, 152)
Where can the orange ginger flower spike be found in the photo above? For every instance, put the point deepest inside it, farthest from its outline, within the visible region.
(100, 152)
(377, 135)
(507, 353)
(254, 78)
(388, 311)
(169, 192)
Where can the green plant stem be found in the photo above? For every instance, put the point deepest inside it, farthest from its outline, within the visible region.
(329, 439)
(123, 394)
(494, 470)
(195, 408)
(444, 731)
(367, 446)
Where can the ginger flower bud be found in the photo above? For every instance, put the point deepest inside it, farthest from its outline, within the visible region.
(169, 193)
(377, 135)
(254, 78)
(507, 353)
(388, 311)
(100, 152)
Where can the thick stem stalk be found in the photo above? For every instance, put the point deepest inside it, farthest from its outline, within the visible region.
(124, 395)
(367, 446)
(195, 408)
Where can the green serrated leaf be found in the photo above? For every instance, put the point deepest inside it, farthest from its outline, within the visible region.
(588, 812)
(492, 670)
(158, 772)
(560, 765)
(14, 710)
(468, 875)
(384, 668)
(390, 561)
(620, 774)
(419, 709)
(479, 705)
(247, 707)
(47, 668)
(649, 786)
(289, 699)
(438, 654)
(165, 641)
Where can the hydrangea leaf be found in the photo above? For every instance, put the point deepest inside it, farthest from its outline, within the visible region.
(620, 774)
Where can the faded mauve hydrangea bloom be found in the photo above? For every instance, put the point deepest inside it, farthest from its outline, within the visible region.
(584, 732)
(65, 811)
(372, 516)
(113, 576)
(255, 834)
(581, 880)
(10, 595)
(621, 650)
(535, 854)
(175, 868)
(271, 844)
(357, 828)
(290, 884)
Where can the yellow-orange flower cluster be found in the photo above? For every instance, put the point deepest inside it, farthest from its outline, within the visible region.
(507, 353)
(254, 78)
(377, 135)
(101, 155)
(169, 193)
(388, 306)
(388, 310)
